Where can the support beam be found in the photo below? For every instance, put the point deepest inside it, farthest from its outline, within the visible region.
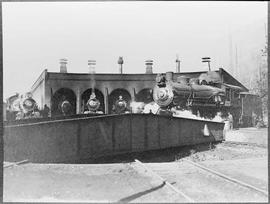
(133, 95)
(106, 101)
(78, 101)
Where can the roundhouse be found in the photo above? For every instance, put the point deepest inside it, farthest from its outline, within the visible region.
(51, 87)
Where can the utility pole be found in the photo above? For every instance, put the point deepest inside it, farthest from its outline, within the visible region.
(120, 62)
(177, 64)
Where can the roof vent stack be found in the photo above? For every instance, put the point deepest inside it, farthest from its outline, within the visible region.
(91, 66)
(149, 66)
(63, 65)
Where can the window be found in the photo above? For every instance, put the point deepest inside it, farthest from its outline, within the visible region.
(227, 92)
(235, 95)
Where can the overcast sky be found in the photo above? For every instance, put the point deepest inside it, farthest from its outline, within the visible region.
(37, 35)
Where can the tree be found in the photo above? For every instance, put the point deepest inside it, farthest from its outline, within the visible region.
(261, 83)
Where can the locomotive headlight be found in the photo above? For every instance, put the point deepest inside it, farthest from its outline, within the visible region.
(28, 103)
(92, 103)
(121, 104)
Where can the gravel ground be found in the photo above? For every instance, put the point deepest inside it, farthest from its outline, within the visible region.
(202, 152)
(250, 135)
(227, 151)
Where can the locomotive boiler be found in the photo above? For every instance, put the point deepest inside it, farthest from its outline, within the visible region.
(186, 93)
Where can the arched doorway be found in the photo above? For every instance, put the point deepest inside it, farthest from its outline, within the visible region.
(145, 95)
(86, 95)
(114, 96)
(59, 96)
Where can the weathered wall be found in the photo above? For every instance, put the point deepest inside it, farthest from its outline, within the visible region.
(83, 138)
(38, 90)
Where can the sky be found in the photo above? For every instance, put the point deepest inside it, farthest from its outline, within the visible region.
(36, 35)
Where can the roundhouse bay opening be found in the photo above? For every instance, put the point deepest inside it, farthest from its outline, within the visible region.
(114, 96)
(145, 95)
(61, 95)
(86, 95)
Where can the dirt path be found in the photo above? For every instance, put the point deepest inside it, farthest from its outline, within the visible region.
(124, 182)
(83, 183)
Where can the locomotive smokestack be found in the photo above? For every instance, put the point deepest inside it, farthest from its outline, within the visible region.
(120, 62)
(149, 68)
(63, 65)
(169, 76)
(91, 66)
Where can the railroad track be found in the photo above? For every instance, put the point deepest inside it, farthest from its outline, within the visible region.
(230, 143)
(217, 187)
(229, 179)
(16, 163)
(165, 182)
(183, 182)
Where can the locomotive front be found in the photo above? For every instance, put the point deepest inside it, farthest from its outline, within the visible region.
(93, 105)
(27, 107)
(120, 106)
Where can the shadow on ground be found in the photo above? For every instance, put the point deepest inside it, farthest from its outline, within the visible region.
(164, 155)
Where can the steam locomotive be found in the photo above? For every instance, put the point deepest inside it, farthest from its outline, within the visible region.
(24, 107)
(186, 93)
(93, 105)
(120, 106)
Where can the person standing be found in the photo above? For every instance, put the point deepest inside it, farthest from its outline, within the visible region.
(46, 111)
(230, 118)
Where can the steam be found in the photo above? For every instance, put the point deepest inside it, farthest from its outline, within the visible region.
(189, 114)
(152, 107)
(91, 64)
(137, 107)
(93, 81)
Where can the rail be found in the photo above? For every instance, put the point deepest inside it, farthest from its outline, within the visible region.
(265, 193)
(16, 163)
(165, 181)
